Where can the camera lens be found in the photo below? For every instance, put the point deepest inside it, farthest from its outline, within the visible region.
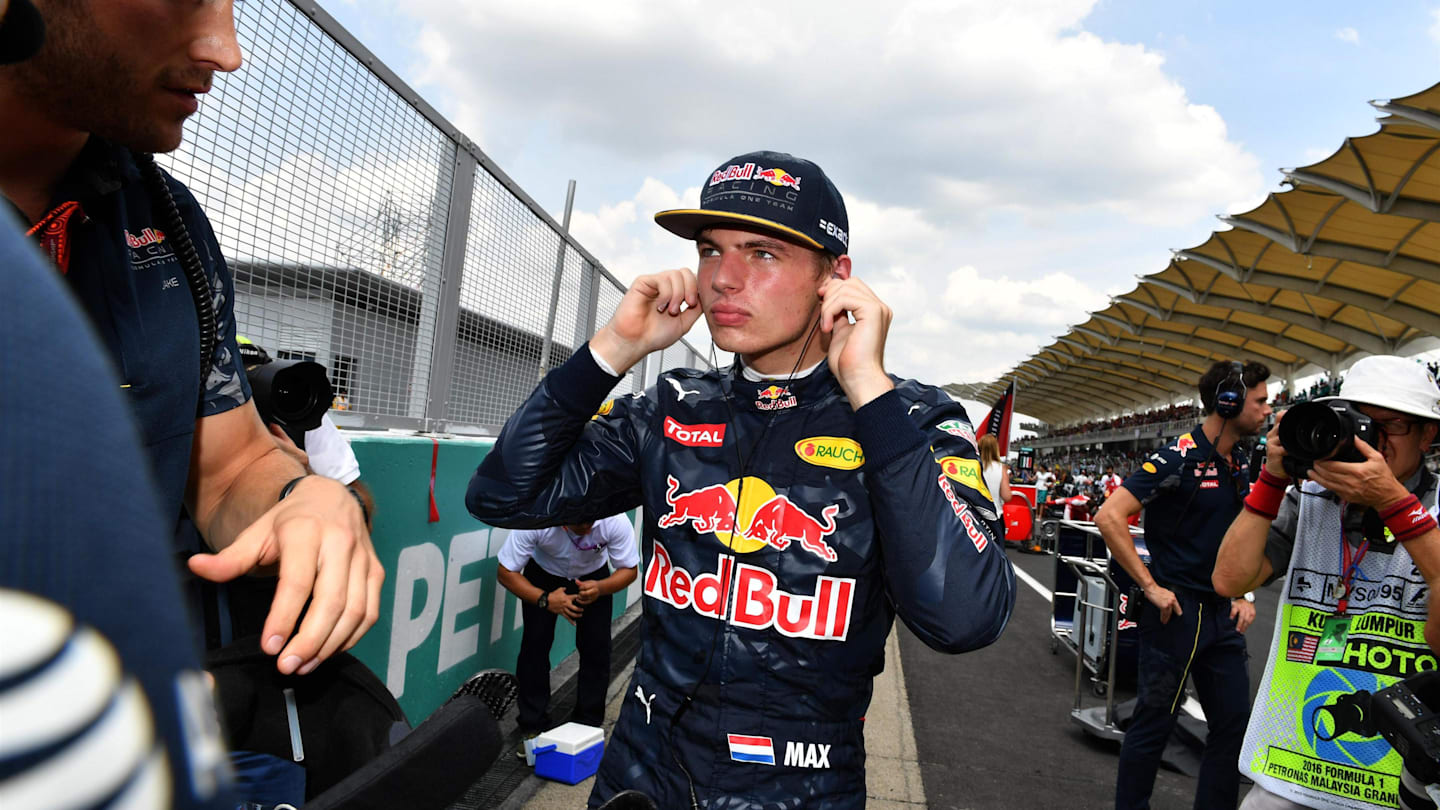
(293, 396)
(1312, 431)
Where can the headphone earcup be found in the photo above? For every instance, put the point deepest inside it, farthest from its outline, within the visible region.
(1229, 402)
(1230, 393)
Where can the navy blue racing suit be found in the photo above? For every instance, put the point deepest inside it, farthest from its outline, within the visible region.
(783, 532)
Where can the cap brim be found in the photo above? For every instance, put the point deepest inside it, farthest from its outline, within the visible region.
(1391, 405)
(687, 223)
(22, 31)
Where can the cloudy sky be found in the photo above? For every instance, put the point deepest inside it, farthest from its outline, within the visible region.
(1008, 165)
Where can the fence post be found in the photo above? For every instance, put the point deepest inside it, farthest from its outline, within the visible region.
(589, 303)
(555, 285)
(642, 372)
(452, 270)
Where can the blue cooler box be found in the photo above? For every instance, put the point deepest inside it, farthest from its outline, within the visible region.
(569, 753)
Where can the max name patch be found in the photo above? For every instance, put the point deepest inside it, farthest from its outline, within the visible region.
(831, 451)
(761, 751)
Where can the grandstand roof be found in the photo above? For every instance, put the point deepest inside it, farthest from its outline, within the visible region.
(1343, 264)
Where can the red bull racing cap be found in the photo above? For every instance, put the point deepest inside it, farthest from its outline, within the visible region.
(769, 191)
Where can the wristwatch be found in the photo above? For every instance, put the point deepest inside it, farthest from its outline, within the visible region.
(544, 601)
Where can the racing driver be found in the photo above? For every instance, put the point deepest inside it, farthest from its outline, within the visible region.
(794, 502)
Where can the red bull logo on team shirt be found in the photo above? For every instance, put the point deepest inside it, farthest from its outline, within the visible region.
(774, 398)
(765, 517)
(1184, 444)
(149, 236)
(759, 603)
(778, 177)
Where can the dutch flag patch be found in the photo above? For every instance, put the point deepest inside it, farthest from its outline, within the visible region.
(759, 750)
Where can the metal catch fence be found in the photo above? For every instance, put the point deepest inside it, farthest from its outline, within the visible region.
(365, 232)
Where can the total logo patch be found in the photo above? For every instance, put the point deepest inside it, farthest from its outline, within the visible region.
(694, 435)
(831, 451)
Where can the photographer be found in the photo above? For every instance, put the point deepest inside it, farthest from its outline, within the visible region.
(1190, 492)
(1357, 608)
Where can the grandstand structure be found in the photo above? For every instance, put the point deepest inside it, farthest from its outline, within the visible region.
(1343, 264)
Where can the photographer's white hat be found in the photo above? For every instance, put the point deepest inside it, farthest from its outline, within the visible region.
(1398, 383)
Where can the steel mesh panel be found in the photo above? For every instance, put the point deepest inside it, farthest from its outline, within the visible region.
(329, 195)
(330, 192)
(508, 270)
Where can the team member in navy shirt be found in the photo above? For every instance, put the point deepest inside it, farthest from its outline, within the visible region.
(114, 81)
(1190, 491)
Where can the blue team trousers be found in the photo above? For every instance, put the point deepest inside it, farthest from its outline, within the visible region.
(592, 641)
(1201, 643)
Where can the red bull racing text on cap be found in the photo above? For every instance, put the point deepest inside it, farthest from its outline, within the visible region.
(772, 192)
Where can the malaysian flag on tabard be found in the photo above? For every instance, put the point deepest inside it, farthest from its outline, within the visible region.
(1301, 649)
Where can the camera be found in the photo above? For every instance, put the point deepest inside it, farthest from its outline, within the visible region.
(1406, 714)
(294, 394)
(1323, 431)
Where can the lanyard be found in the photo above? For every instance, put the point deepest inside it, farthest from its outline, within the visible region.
(1348, 567)
(53, 231)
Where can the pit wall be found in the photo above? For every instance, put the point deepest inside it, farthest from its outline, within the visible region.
(443, 616)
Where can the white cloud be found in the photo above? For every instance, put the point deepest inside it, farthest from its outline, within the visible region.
(961, 108)
(1348, 34)
(1002, 166)
(1435, 25)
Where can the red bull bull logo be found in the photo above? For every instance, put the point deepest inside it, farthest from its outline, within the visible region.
(779, 522)
(765, 518)
(758, 601)
(711, 509)
(778, 177)
(774, 398)
(1184, 445)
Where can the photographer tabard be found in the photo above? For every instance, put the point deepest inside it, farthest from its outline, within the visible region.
(1353, 612)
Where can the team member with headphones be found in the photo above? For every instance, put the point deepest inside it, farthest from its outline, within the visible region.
(1190, 492)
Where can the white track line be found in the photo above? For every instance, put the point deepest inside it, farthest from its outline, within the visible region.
(1190, 706)
(1033, 583)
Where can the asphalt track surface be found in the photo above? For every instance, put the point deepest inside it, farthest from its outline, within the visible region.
(993, 727)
